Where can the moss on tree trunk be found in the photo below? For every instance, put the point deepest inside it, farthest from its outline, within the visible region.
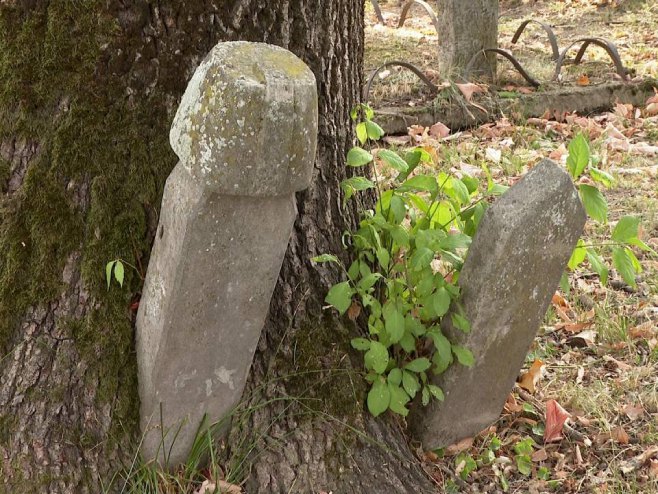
(87, 92)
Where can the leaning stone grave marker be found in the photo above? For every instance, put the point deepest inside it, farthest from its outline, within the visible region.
(245, 133)
(513, 267)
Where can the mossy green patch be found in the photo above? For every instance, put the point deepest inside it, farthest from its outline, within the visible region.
(91, 190)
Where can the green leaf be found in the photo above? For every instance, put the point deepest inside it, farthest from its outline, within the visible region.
(421, 258)
(358, 157)
(624, 265)
(375, 132)
(395, 376)
(400, 236)
(325, 258)
(443, 355)
(362, 133)
(361, 344)
(458, 190)
(524, 447)
(594, 202)
(578, 255)
(600, 176)
(118, 273)
(357, 183)
(425, 397)
(464, 355)
(431, 239)
(441, 301)
(408, 342)
(420, 183)
(436, 392)
(418, 365)
(377, 357)
(383, 257)
(354, 270)
(108, 272)
(598, 265)
(460, 322)
(393, 160)
(626, 229)
(369, 281)
(410, 383)
(398, 400)
(379, 398)
(543, 473)
(564, 283)
(394, 322)
(578, 156)
(524, 464)
(398, 209)
(414, 326)
(340, 296)
(455, 241)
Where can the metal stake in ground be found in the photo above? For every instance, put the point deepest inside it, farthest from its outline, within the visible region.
(245, 133)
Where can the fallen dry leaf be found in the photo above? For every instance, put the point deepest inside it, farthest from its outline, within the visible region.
(469, 89)
(633, 412)
(511, 405)
(556, 416)
(619, 435)
(653, 469)
(637, 462)
(439, 130)
(583, 80)
(209, 487)
(530, 379)
(559, 300)
(458, 447)
(493, 154)
(540, 455)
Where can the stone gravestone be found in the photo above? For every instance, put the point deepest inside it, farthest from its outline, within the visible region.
(245, 133)
(513, 267)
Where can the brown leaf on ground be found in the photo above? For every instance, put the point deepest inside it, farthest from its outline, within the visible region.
(559, 300)
(469, 89)
(540, 455)
(653, 469)
(583, 80)
(511, 405)
(530, 379)
(575, 327)
(209, 487)
(439, 130)
(635, 463)
(619, 435)
(458, 447)
(556, 416)
(633, 412)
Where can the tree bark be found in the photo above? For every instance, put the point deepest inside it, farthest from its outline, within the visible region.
(88, 90)
(466, 28)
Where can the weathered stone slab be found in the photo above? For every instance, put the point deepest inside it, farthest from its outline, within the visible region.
(245, 133)
(513, 267)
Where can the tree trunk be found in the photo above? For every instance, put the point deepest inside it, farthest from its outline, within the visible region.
(87, 93)
(466, 28)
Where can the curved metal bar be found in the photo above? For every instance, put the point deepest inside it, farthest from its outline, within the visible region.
(549, 31)
(609, 48)
(398, 63)
(378, 11)
(425, 5)
(517, 65)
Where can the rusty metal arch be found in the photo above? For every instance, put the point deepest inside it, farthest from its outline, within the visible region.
(378, 11)
(608, 46)
(398, 63)
(549, 32)
(425, 5)
(517, 65)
